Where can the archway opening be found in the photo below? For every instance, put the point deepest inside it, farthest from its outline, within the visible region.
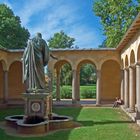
(138, 54)
(63, 81)
(126, 61)
(122, 64)
(87, 81)
(132, 81)
(132, 58)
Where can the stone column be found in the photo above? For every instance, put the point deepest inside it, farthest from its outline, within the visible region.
(132, 89)
(58, 84)
(5, 88)
(126, 88)
(50, 82)
(138, 89)
(122, 85)
(98, 88)
(78, 87)
(74, 86)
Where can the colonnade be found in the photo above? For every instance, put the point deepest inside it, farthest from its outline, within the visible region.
(130, 87)
(76, 86)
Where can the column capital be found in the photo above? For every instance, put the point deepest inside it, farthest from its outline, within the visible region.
(98, 73)
(137, 63)
(133, 66)
(5, 70)
(126, 68)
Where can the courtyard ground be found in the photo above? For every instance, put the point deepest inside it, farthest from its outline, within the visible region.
(98, 123)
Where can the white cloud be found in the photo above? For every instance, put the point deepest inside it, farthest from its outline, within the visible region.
(85, 37)
(7, 3)
(30, 8)
(58, 15)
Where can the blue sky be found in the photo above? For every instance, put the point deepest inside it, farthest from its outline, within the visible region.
(74, 17)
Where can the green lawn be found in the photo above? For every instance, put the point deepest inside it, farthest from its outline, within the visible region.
(98, 124)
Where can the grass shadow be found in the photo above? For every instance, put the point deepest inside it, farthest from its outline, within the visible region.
(106, 122)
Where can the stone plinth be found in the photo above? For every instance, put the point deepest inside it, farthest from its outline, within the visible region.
(36, 104)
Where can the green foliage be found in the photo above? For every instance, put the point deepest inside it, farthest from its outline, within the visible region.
(116, 16)
(88, 91)
(12, 35)
(66, 92)
(66, 74)
(85, 92)
(87, 74)
(60, 40)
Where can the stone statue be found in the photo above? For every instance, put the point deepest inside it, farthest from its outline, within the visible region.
(35, 57)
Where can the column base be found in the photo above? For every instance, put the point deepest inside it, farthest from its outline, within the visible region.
(58, 99)
(5, 101)
(75, 102)
(126, 106)
(137, 115)
(98, 104)
(130, 110)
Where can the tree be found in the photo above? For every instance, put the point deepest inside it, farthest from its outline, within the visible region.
(12, 34)
(87, 74)
(66, 74)
(116, 16)
(61, 40)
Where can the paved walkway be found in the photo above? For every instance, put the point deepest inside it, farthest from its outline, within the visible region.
(82, 102)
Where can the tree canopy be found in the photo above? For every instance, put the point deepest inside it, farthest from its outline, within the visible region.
(12, 34)
(116, 16)
(87, 74)
(61, 40)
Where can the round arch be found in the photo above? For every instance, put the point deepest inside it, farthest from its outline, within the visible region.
(85, 61)
(60, 63)
(92, 88)
(132, 57)
(12, 62)
(126, 61)
(16, 87)
(122, 64)
(4, 65)
(138, 54)
(110, 80)
(107, 59)
(62, 77)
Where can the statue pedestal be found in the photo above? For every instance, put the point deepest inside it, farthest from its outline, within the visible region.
(36, 104)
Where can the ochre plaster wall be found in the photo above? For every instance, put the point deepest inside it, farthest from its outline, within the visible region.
(1, 81)
(110, 80)
(16, 88)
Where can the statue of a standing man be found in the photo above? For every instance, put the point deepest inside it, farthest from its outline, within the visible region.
(35, 57)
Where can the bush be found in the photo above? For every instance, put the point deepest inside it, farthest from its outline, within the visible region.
(85, 92)
(66, 92)
(88, 91)
(88, 94)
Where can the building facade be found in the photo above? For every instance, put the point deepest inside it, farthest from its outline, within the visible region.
(117, 70)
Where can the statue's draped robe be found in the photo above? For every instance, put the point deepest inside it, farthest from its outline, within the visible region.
(35, 57)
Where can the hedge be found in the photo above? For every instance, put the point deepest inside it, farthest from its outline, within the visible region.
(85, 92)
